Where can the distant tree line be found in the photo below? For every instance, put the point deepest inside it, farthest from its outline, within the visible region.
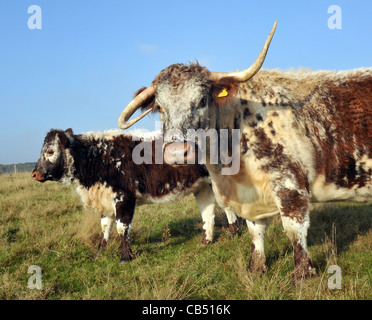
(20, 167)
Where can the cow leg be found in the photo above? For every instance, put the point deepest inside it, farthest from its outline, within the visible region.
(233, 222)
(257, 230)
(124, 214)
(296, 230)
(205, 201)
(107, 223)
(293, 205)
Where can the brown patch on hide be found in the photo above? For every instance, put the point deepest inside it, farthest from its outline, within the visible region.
(153, 179)
(346, 114)
(279, 161)
(264, 148)
(244, 143)
(293, 202)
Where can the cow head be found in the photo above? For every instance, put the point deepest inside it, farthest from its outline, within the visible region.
(53, 160)
(189, 97)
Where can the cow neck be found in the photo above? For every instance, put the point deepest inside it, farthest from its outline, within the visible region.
(87, 161)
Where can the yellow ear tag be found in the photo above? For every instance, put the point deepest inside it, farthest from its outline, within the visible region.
(223, 93)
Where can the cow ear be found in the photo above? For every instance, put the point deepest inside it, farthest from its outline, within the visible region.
(69, 131)
(224, 90)
(65, 142)
(147, 104)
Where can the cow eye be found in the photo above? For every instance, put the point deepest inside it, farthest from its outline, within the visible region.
(159, 109)
(203, 102)
(49, 153)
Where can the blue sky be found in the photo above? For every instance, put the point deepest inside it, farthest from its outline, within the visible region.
(83, 66)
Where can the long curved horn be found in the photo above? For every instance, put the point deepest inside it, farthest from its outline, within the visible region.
(133, 106)
(246, 74)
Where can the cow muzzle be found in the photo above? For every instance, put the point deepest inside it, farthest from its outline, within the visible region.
(37, 176)
(180, 153)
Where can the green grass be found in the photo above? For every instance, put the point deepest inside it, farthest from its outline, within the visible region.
(46, 225)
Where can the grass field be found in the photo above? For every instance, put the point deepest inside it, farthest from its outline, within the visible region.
(46, 225)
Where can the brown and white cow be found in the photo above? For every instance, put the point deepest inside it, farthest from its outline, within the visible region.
(101, 167)
(305, 136)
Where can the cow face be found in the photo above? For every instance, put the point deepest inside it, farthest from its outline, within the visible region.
(52, 162)
(188, 102)
(182, 99)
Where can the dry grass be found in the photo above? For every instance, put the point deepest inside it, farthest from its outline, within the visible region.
(46, 225)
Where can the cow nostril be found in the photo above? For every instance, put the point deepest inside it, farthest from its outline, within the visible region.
(36, 175)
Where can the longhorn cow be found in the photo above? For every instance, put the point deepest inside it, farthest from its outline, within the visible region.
(305, 136)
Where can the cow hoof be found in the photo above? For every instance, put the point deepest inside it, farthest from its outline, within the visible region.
(257, 263)
(96, 256)
(257, 269)
(204, 240)
(301, 274)
(125, 260)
